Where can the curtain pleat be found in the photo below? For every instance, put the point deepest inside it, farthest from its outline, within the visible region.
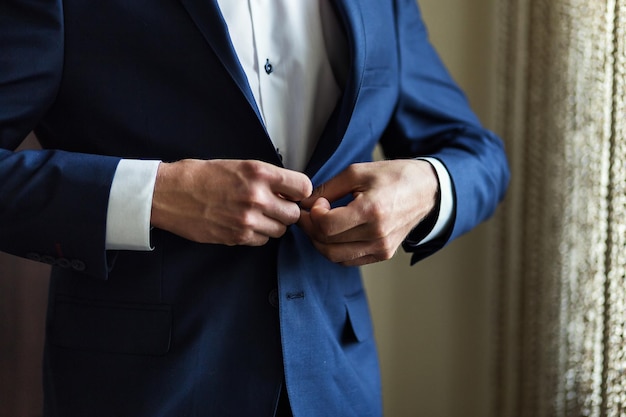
(562, 231)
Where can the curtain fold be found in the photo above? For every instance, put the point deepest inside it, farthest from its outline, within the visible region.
(562, 230)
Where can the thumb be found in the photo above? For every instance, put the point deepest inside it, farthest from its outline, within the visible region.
(320, 208)
(310, 220)
(334, 189)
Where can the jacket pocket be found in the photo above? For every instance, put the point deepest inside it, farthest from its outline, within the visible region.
(128, 328)
(359, 324)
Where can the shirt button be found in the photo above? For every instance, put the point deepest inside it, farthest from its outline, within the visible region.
(273, 297)
(268, 67)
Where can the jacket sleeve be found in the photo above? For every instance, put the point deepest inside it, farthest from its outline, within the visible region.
(52, 203)
(433, 118)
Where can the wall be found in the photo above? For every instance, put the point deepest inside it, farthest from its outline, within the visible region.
(434, 322)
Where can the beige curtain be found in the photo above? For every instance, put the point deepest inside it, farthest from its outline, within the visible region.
(561, 248)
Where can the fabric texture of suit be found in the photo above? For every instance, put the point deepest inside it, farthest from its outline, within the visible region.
(191, 329)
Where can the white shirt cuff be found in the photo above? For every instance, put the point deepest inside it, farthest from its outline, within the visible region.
(130, 205)
(446, 203)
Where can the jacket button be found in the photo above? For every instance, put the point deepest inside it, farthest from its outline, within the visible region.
(63, 263)
(47, 259)
(273, 297)
(34, 256)
(78, 265)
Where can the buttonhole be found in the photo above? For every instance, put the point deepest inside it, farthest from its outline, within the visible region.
(295, 295)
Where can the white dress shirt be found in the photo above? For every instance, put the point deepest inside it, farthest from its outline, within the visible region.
(288, 53)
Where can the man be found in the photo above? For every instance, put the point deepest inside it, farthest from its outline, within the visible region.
(206, 192)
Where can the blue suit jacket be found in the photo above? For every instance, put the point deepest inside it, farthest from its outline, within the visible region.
(191, 329)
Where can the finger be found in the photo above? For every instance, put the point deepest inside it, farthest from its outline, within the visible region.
(257, 231)
(356, 253)
(364, 260)
(346, 182)
(333, 222)
(253, 239)
(284, 211)
(345, 254)
(353, 253)
(313, 221)
(292, 185)
(321, 207)
(357, 222)
(360, 233)
(271, 228)
(306, 223)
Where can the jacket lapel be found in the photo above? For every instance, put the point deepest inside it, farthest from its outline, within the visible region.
(208, 18)
(349, 13)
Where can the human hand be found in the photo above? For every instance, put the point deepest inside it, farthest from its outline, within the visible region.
(231, 202)
(390, 199)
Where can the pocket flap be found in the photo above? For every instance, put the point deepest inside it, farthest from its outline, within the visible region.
(359, 316)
